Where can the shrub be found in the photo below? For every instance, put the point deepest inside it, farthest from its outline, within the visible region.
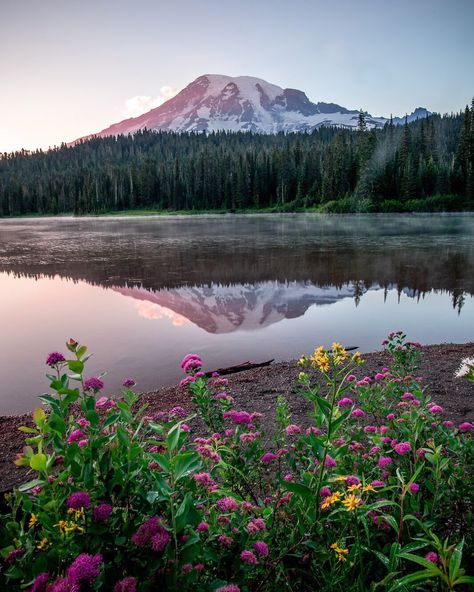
(363, 497)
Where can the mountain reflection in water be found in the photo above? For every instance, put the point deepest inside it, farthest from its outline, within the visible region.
(256, 286)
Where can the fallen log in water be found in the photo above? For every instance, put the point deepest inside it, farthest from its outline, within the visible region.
(240, 368)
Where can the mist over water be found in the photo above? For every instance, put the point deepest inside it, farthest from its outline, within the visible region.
(141, 293)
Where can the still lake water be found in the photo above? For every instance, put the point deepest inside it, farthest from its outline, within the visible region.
(141, 293)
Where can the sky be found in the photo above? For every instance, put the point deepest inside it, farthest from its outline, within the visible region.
(69, 68)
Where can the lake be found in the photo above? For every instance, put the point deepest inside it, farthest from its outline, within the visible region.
(143, 292)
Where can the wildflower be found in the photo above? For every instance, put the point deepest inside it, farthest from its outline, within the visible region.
(33, 520)
(93, 384)
(55, 358)
(42, 544)
(357, 358)
(126, 585)
(160, 539)
(227, 504)
(351, 378)
(351, 502)
(379, 376)
(312, 430)
(402, 448)
(83, 422)
(384, 461)
(352, 480)
(329, 462)
(466, 368)
(75, 435)
(238, 417)
(186, 380)
(248, 557)
(466, 427)
(178, 412)
(391, 416)
(79, 499)
(370, 429)
(145, 531)
(292, 429)
(448, 424)
(288, 477)
(332, 499)
(432, 556)
(341, 553)
(255, 525)
(268, 457)
(228, 588)
(204, 479)
(261, 548)
(435, 409)
(203, 527)
(225, 541)
(199, 567)
(414, 487)
(40, 583)
(83, 443)
(190, 361)
(102, 512)
(85, 568)
(370, 487)
(10, 558)
(325, 491)
(345, 401)
(357, 413)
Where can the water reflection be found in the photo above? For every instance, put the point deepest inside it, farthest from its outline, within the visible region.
(143, 292)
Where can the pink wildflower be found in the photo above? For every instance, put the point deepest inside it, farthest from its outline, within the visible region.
(261, 548)
(268, 457)
(227, 504)
(224, 540)
(329, 462)
(432, 556)
(248, 557)
(203, 527)
(357, 413)
(126, 585)
(466, 427)
(414, 487)
(384, 461)
(402, 448)
(292, 429)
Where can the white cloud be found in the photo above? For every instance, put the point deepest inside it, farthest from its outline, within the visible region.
(139, 104)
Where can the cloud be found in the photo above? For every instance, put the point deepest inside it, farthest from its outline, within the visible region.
(155, 312)
(139, 104)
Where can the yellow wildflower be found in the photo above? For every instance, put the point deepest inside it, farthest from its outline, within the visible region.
(357, 358)
(339, 353)
(351, 502)
(340, 552)
(303, 361)
(67, 527)
(42, 544)
(62, 524)
(368, 488)
(354, 487)
(337, 495)
(340, 478)
(33, 520)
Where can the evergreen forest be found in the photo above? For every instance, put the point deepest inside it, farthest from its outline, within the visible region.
(426, 165)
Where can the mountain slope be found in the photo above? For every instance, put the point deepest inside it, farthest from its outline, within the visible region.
(215, 102)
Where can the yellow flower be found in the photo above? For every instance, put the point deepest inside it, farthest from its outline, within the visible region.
(340, 478)
(303, 361)
(368, 488)
(33, 520)
(62, 524)
(339, 552)
(351, 502)
(337, 495)
(42, 544)
(339, 353)
(354, 487)
(357, 358)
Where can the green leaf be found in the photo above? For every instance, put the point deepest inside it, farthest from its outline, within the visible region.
(27, 430)
(38, 462)
(455, 561)
(39, 417)
(76, 366)
(173, 437)
(27, 486)
(186, 463)
(465, 580)
(302, 490)
(81, 351)
(429, 565)
(411, 578)
(162, 461)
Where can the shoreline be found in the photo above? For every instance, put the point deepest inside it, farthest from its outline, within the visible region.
(258, 389)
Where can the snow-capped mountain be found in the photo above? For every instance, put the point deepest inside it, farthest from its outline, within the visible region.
(215, 102)
(224, 309)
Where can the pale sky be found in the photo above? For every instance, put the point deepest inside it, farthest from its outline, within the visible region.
(69, 68)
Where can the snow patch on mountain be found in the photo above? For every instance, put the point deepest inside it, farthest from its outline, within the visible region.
(215, 102)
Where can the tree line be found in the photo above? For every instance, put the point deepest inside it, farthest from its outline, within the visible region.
(331, 169)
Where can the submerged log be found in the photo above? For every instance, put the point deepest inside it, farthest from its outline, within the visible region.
(240, 368)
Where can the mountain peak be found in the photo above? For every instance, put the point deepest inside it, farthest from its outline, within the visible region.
(216, 102)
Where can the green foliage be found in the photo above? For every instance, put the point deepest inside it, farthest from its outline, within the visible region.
(368, 496)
